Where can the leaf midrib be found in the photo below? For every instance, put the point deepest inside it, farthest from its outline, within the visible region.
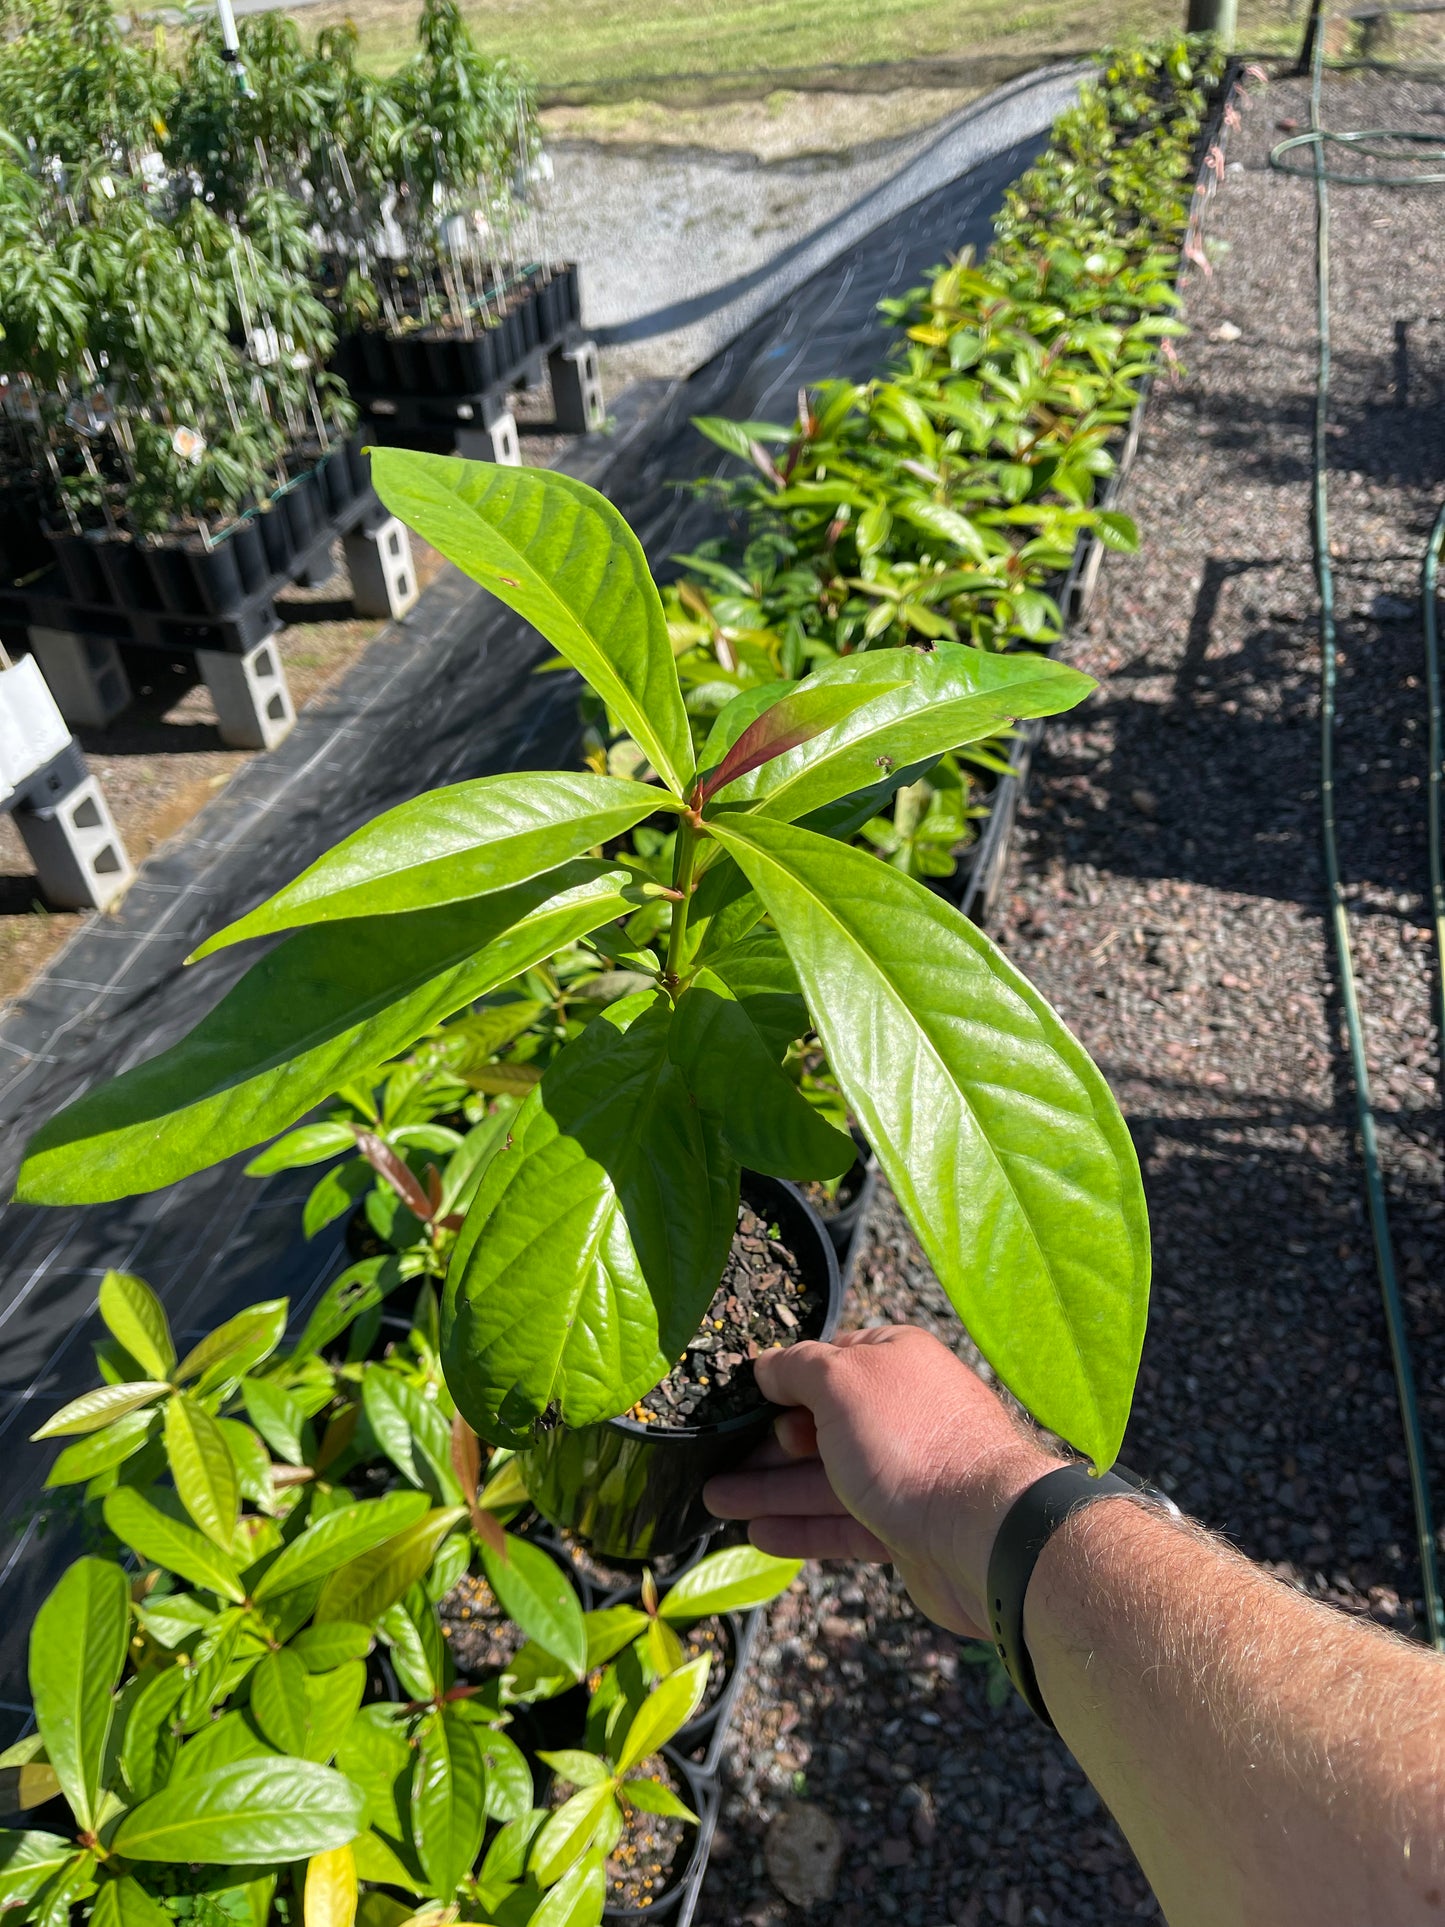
(896, 997)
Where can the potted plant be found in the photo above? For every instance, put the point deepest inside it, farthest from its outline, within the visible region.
(600, 1229)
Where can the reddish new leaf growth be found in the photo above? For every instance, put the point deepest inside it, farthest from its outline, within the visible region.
(337, 1436)
(397, 1172)
(467, 1464)
(773, 734)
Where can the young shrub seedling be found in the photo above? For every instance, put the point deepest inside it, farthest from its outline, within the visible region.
(597, 1236)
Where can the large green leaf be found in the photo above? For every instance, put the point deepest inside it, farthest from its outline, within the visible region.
(731, 1581)
(27, 1861)
(125, 1903)
(595, 1241)
(569, 1832)
(259, 1812)
(765, 1120)
(149, 1743)
(577, 1900)
(366, 1586)
(448, 1800)
(534, 1591)
(560, 555)
(278, 1702)
(338, 1537)
(235, 1348)
(665, 1711)
(166, 1542)
(93, 1409)
(997, 1132)
(77, 1650)
(452, 844)
(321, 1008)
(120, 1440)
(203, 1469)
(137, 1318)
(954, 695)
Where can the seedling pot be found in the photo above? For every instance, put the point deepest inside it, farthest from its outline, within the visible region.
(218, 577)
(250, 549)
(687, 1871)
(631, 1491)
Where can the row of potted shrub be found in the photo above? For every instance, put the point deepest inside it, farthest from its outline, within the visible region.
(945, 499)
(327, 1664)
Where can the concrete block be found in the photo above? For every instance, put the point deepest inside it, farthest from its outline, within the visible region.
(76, 849)
(383, 580)
(577, 389)
(253, 704)
(32, 730)
(85, 675)
(496, 441)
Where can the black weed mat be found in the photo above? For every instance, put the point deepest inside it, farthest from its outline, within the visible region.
(454, 699)
(1166, 894)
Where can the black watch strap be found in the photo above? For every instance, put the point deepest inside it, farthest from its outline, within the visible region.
(1028, 1525)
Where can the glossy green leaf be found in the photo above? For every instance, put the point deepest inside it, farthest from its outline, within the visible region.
(804, 712)
(278, 1701)
(77, 1649)
(764, 1119)
(449, 845)
(996, 1131)
(149, 1743)
(278, 1416)
(256, 1812)
(166, 1542)
(320, 1648)
(653, 1797)
(577, 1900)
(560, 555)
(253, 1461)
(534, 1591)
(733, 1580)
(119, 1441)
(609, 1629)
(335, 1539)
(136, 1318)
(237, 1347)
(308, 1144)
(365, 1587)
(331, 1702)
(759, 973)
(27, 1861)
(954, 695)
(581, 1769)
(665, 1711)
(324, 1006)
(410, 1427)
(93, 1409)
(569, 1832)
(448, 1800)
(596, 1240)
(509, 1778)
(375, 1860)
(125, 1903)
(375, 1755)
(203, 1469)
(221, 1742)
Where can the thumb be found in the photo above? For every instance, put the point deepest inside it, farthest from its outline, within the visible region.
(797, 1374)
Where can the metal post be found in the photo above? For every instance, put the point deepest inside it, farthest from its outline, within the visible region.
(1214, 16)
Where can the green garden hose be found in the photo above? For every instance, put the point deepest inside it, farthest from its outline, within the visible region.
(1391, 148)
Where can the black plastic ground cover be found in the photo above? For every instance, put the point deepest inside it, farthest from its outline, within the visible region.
(980, 877)
(445, 695)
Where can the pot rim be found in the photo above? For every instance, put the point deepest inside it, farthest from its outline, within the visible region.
(745, 1421)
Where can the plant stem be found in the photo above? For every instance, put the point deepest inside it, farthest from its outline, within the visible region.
(683, 858)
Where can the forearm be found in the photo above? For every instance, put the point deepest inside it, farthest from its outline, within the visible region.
(1270, 1762)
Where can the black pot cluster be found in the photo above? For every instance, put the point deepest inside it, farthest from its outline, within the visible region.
(442, 361)
(182, 576)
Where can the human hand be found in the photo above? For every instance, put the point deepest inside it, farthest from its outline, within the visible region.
(891, 1450)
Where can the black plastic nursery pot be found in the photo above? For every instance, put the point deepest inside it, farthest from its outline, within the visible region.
(632, 1491)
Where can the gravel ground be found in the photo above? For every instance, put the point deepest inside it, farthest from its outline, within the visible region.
(1165, 892)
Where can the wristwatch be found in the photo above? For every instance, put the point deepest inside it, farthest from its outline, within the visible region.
(1028, 1525)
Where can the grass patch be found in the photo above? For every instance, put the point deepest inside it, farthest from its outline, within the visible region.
(581, 49)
